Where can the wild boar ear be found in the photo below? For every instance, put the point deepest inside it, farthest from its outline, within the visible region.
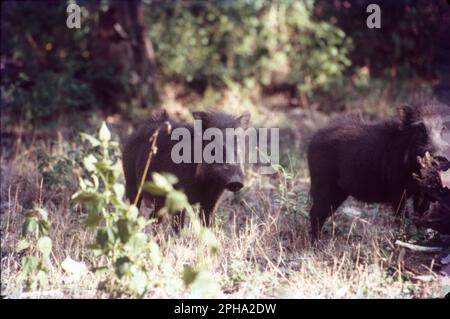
(244, 120)
(406, 114)
(199, 115)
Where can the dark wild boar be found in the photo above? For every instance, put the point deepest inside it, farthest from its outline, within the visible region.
(202, 182)
(373, 162)
(434, 194)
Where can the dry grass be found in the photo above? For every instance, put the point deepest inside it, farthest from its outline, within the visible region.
(263, 233)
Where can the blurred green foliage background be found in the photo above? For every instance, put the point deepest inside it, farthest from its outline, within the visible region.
(315, 48)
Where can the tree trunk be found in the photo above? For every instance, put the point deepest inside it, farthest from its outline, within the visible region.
(121, 41)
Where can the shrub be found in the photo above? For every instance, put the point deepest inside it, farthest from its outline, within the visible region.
(49, 69)
(35, 241)
(120, 237)
(245, 42)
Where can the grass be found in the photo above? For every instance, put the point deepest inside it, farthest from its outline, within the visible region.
(263, 235)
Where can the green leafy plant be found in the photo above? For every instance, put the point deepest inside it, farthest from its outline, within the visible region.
(120, 238)
(35, 240)
(247, 43)
(57, 170)
(196, 278)
(119, 229)
(51, 70)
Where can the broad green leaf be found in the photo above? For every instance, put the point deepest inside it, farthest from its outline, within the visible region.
(115, 201)
(210, 240)
(87, 182)
(133, 212)
(89, 162)
(104, 134)
(30, 264)
(81, 183)
(44, 226)
(94, 142)
(124, 229)
(96, 182)
(205, 285)
(176, 201)
(85, 197)
(122, 266)
(151, 188)
(104, 238)
(161, 181)
(119, 189)
(22, 245)
(158, 186)
(42, 213)
(189, 275)
(117, 168)
(29, 226)
(42, 278)
(93, 219)
(44, 245)
(172, 179)
(103, 167)
(155, 254)
(137, 243)
(96, 249)
(34, 284)
(142, 222)
(138, 281)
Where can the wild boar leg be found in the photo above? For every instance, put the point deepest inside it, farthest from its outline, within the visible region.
(131, 190)
(158, 203)
(325, 203)
(209, 206)
(178, 221)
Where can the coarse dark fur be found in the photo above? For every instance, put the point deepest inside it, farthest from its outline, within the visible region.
(202, 183)
(371, 161)
(437, 197)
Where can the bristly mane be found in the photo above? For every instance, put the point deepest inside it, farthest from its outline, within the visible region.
(219, 119)
(160, 116)
(433, 109)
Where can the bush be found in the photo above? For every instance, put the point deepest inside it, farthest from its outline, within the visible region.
(35, 241)
(50, 69)
(408, 42)
(246, 42)
(128, 252)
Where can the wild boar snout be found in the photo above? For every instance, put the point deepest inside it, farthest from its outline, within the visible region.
(234, 185)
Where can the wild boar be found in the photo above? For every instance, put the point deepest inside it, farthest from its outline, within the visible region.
(202, 182)
(372, 161)
(435, 197)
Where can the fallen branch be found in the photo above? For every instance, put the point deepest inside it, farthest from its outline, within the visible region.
(417, 247)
